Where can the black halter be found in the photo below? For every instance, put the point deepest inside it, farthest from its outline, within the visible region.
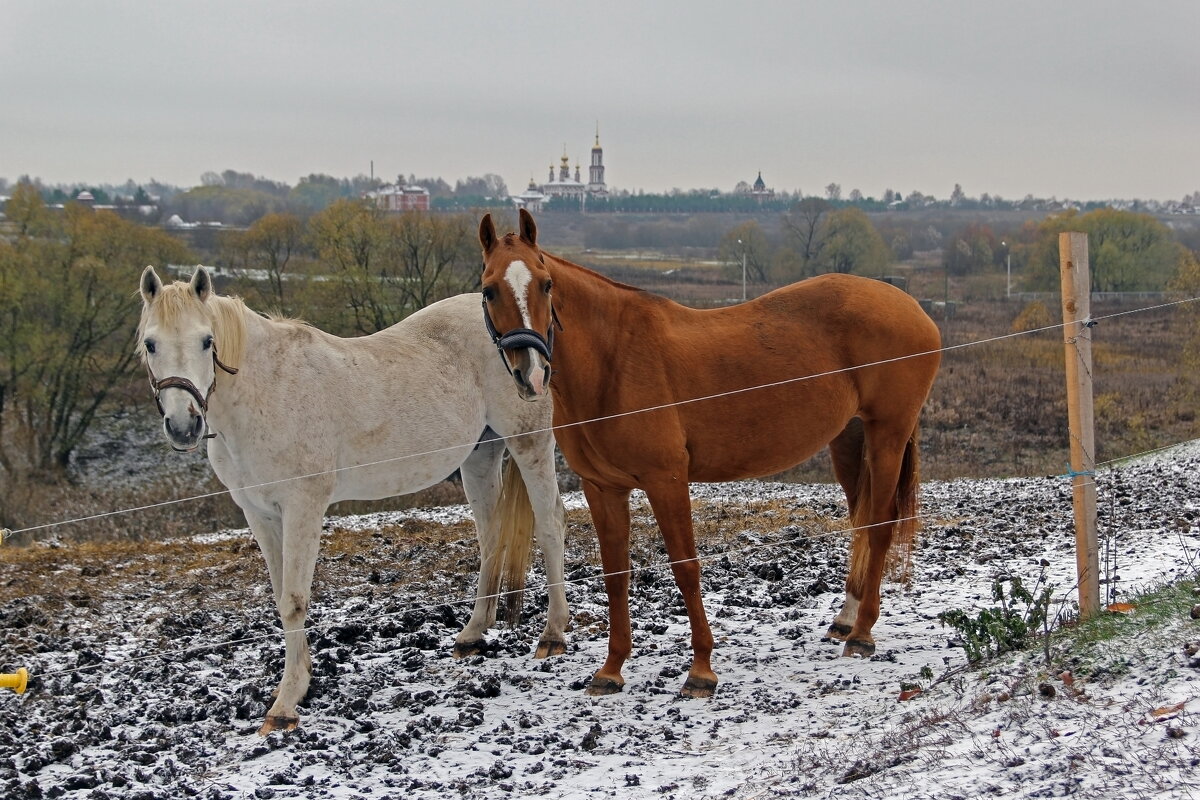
(522, 337)
(177, 382)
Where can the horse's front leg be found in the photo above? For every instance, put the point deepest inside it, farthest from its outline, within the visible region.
(610, 515)
(301, 542)
(268, 534)
(673, 510)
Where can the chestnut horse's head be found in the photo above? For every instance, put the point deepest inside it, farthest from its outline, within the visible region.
(516, 303)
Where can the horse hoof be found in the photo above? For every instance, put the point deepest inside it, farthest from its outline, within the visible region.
(278, 723)
(698, 687)
(467, 649)
(554, 647)
(600, 687)
(858, 647)
(836, 633)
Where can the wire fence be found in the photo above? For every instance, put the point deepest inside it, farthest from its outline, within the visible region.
(376, 615)
(6, 533)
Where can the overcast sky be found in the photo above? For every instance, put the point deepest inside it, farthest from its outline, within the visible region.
(1084, 99)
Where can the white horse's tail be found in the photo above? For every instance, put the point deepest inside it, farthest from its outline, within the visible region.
(516, 538)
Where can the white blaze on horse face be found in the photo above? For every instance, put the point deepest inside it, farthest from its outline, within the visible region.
(519, 279)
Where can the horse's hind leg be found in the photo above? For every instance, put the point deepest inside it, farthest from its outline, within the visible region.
(481, 482)
(874, 518)
(534, 454)
(672, 507)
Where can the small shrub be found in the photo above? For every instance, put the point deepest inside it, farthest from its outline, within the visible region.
(1034, 316)
(1004, 628)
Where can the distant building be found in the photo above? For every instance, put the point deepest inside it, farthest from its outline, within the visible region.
(596, 184)
(759, 190)
(562, 184)
(399, 197)
(531, 199)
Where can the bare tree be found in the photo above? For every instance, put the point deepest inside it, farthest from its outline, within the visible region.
(803, 223)
(747, 244)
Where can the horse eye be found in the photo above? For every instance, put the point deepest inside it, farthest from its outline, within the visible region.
(547, 286)
(489, 294)
(149, 346)
(208, 341)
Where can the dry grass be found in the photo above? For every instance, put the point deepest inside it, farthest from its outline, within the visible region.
(227, 571)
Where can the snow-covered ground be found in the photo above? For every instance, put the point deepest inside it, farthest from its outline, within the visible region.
(121, 707)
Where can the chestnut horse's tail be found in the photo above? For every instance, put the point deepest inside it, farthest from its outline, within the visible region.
(516, 537)
(855, 476)
(907, 509)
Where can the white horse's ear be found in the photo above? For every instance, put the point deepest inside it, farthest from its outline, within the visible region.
(150, 285)
(528, 228)
(487, 234)
(201, 283)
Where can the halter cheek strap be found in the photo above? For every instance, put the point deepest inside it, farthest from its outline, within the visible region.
(177, 382)
(522, 337)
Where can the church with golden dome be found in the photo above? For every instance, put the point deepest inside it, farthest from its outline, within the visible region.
(565, 185)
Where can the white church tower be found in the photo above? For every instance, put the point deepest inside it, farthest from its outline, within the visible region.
(596, 183)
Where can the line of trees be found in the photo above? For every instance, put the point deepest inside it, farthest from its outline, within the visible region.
(1129, 252)
(816, 237)
(67, 322)
(375, 268)
(239, 198)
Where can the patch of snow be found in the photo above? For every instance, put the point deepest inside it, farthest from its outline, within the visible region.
(392, 715)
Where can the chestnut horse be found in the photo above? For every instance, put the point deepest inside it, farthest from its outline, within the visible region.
(652, 395)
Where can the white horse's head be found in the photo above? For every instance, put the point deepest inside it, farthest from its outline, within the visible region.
(178, 345)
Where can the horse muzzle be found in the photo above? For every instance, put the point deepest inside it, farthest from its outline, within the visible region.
(531, 354)
(184, 435)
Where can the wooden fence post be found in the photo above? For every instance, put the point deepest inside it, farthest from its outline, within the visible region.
(1077, 341)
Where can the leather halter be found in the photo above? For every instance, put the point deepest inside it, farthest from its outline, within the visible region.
(519, 338)
(177, 382)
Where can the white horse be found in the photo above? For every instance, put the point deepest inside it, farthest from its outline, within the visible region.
(296, 418)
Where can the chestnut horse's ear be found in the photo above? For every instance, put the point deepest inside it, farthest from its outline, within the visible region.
(528, 228)
(487, 233)
(150, 285)
(201, 283)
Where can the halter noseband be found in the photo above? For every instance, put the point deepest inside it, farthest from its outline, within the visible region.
(177, 382)
(522, 337)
